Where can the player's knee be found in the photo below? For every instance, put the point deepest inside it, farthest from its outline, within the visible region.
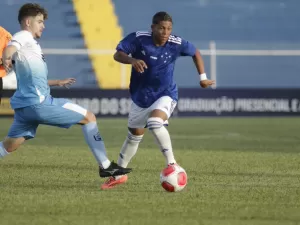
(90, 117)
(155, 123)
(136, 131)
(132, 138)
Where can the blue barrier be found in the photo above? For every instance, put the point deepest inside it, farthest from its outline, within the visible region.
(192, 102)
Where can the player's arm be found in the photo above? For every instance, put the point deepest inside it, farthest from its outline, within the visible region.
(17, 42)
(6, 38)
(188, 49)
(128, 47)
(137, 64)
(7, 54)
(122, 57)
(199, 63)
(62, 83)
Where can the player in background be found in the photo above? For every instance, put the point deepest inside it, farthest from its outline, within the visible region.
(5, 38)
(152, 87)
(32, 102)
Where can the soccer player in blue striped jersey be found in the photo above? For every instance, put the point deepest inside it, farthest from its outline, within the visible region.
(152, 87)
(32, 102)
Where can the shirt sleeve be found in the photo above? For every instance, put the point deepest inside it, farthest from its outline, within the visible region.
(20, 39)
(128, 44)
(187, 48)
(5, 38)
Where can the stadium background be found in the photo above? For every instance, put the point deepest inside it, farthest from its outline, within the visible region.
(249, 45)
(240, 170)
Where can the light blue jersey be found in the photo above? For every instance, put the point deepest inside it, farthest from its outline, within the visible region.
(31, 71)
(32, 102)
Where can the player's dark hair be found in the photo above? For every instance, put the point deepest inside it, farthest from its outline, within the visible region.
(161, 16)
(31, 9)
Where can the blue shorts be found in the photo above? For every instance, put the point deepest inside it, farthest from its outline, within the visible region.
(52, 111)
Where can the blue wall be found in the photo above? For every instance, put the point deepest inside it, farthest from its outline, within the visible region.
(232, 24)
(62, 31)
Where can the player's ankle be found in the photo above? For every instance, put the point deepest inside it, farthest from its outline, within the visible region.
(105, 164)
(3, 151)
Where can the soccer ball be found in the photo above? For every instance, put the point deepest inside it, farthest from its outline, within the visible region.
(173, 178)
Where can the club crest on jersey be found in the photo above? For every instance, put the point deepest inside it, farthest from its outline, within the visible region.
(165, 56)
(143, 52)
(97, 137)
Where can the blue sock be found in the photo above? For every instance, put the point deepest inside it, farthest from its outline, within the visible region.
(96, 144)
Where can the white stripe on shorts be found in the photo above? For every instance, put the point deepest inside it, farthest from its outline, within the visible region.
(75, 108)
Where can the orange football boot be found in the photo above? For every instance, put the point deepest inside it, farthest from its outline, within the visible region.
(111, 182)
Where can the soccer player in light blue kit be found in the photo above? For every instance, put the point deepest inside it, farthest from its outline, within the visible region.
(152, 88)
(32, 103)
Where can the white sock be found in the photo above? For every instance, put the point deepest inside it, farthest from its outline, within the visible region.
(94, 140)
(3, 151)
(129, 149)
(162, 137)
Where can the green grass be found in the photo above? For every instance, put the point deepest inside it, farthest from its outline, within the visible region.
(240, 171)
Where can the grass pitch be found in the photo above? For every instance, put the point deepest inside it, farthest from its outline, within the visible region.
(240, 171)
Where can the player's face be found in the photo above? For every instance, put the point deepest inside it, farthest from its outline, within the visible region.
(162, 31)
(37, 25)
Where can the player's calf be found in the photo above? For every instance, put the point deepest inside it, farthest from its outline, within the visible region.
(162, 137)
(9, 145)
(95, 141)
(129, 148)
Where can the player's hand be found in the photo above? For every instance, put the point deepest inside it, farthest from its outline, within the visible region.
(7, 64)
(139, 65)
(66, 82)
(206, 83)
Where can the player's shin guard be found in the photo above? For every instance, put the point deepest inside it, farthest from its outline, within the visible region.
(96, 144)
(129, 149)
(162, 137)
(3, 151)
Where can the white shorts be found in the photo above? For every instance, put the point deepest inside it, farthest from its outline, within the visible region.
(138, 116)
